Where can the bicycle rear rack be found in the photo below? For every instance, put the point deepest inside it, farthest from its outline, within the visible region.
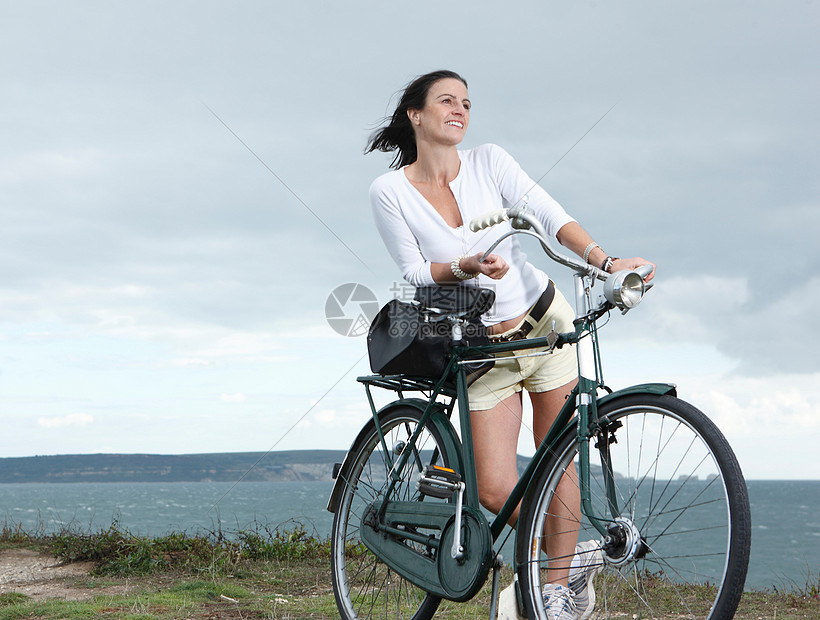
(404, 383)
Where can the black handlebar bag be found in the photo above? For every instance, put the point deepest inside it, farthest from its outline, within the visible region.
(416, 338)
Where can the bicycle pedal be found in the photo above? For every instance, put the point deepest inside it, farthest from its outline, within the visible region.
(439, 482)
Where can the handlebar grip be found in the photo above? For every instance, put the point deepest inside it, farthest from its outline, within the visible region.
(488, 219)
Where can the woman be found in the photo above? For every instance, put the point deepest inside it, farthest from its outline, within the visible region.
(422, 211)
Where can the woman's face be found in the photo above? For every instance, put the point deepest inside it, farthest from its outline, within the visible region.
(446, 113)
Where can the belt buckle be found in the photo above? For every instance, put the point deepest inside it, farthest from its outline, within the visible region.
(516, 335)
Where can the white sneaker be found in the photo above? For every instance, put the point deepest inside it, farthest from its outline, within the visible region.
(558, 602)
(508, 604)
(590, 562)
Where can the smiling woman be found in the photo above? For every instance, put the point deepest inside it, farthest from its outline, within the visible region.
(397, 134)
(420, 209)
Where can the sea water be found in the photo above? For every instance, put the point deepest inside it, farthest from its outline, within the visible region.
(785, 515)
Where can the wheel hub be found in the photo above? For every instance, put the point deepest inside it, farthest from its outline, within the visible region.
(398, 448)
(624, 543)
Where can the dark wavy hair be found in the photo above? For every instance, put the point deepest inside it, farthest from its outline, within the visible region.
(396, 132)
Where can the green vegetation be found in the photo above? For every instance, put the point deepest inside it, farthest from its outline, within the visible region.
(115, 551)
(263, 572)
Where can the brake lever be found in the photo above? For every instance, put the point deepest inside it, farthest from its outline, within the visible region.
(644, 271)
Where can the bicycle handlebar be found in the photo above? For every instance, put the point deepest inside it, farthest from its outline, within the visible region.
(489, 219)
(623, 289)
(522, 218)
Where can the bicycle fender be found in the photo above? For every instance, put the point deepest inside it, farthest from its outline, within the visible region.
(438, 419)
(642, 388)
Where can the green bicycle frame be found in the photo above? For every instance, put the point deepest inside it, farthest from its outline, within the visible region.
(585, 406)
(583, 401)
(580, 411)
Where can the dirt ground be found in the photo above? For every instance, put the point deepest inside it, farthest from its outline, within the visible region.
(42, 576)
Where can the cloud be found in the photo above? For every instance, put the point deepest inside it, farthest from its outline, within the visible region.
(764, 333)
(191, 362)
(770, 333)
(746, 406)
(72, 419)
(237, 397)
(32, 167)
(133, 218)
(325, 416)
(761, 417)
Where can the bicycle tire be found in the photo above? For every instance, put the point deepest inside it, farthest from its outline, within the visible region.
(679, 484)
(363, 586)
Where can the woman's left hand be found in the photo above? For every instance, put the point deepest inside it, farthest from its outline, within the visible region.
(622, 264)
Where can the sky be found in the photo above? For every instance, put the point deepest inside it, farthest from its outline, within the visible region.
(183, 186)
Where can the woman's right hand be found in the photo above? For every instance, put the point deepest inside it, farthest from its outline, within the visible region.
(493, 266)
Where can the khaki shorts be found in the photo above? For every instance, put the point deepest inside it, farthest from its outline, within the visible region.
(534, 374)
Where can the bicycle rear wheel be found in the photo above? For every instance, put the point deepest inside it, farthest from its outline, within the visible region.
(363, 586)
(679, 538)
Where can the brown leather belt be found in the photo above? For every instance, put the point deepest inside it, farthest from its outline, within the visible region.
(535, 314)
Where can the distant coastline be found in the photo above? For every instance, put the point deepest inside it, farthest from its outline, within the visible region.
(283, 466)
(291, 465)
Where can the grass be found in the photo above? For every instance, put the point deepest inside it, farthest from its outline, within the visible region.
(118, 552)
(264, 572)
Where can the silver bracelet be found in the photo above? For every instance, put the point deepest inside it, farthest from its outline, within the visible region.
(458, 272)
(589, 249)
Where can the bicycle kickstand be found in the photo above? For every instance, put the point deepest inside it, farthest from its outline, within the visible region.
(499, 562)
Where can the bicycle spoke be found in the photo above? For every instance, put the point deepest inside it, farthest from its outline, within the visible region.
(365, 587)
(667, 552)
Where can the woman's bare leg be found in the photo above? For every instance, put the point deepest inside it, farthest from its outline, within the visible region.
(495, 442)
(562, 524)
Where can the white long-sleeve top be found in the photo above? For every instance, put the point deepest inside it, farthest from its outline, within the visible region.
(416, 235)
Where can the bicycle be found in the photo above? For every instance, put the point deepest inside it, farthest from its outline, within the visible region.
(662, 494)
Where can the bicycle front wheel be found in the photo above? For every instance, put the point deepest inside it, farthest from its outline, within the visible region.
(676, 512)
(363, 586)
